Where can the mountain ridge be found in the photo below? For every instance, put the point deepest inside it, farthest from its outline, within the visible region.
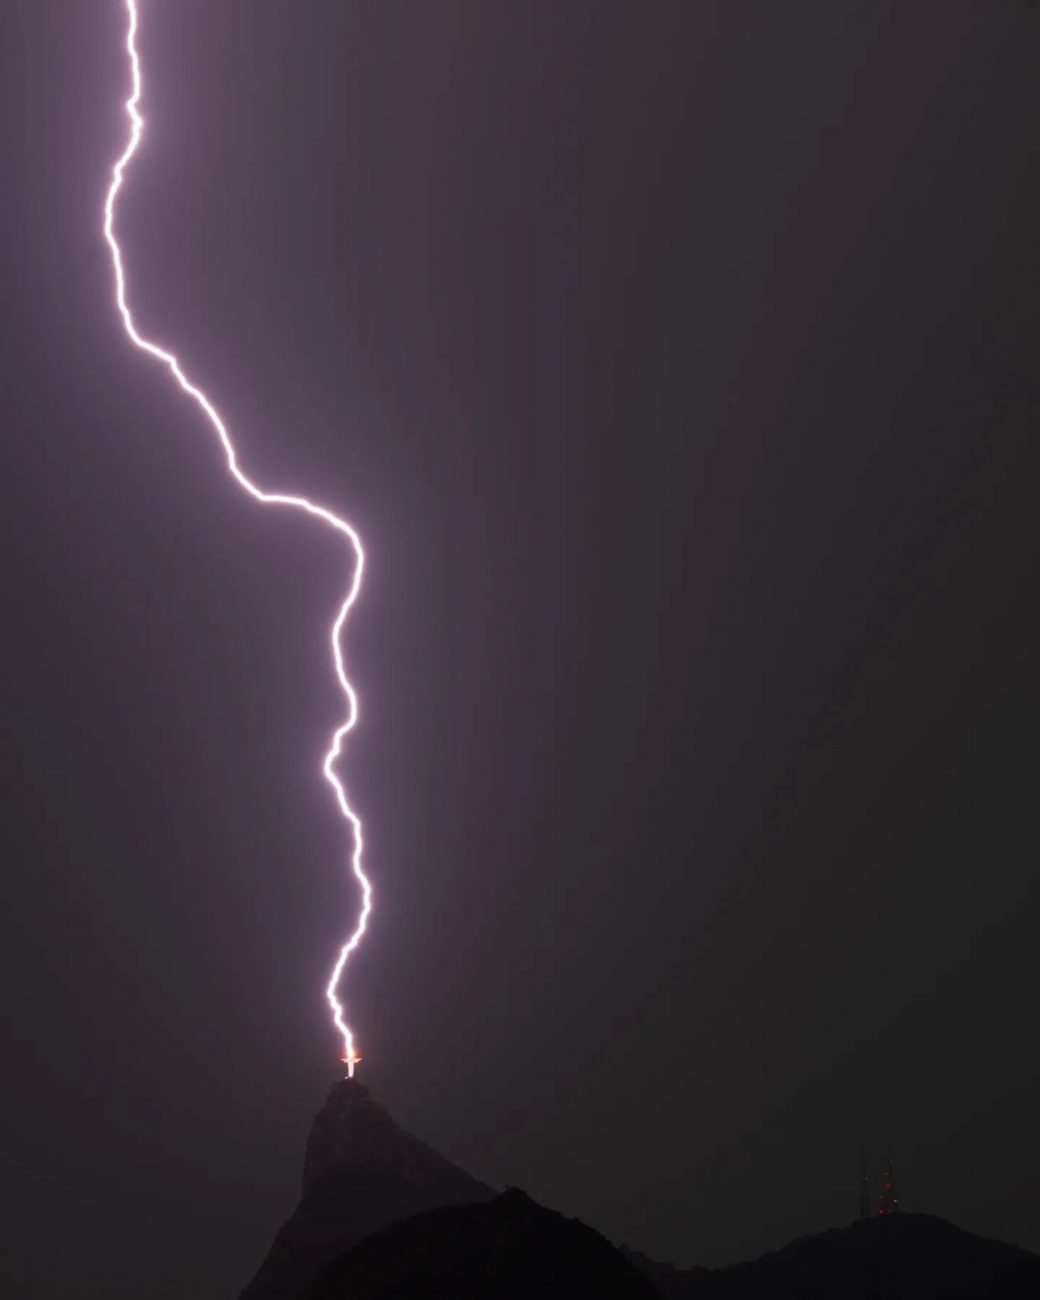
(899, 1257)
(384, 1215)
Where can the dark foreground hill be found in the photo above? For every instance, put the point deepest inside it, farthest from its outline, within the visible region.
(506, 1249)
(361, 1172)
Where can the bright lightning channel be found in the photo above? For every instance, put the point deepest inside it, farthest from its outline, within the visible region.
(350, 1055)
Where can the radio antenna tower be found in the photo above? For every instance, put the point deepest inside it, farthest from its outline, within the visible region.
(888, 1202)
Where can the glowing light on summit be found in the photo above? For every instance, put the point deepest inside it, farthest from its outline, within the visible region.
(327, 517)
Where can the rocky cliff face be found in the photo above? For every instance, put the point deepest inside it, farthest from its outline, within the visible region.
(361, 1172)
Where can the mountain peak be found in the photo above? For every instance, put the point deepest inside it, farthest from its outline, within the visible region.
(349, 1126)
(361, 1171)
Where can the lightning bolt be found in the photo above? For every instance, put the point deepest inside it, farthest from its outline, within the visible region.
(315, 510)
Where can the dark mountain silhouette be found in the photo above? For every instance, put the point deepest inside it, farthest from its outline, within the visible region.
(672, 1283)
(384, 1217)
(506, 1249)
(898, 1257)
(361, 1172)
